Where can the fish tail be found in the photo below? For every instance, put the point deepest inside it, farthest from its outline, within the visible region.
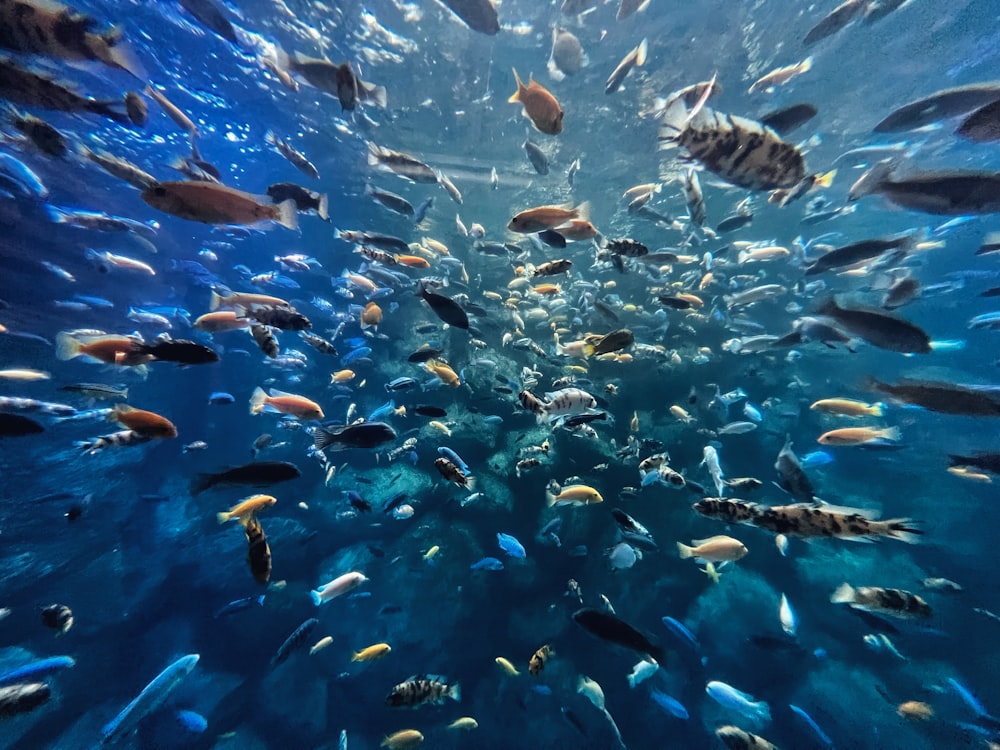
(825, 180)
(843, 595)
(287, 215)
(762, 711)
(641, 53)
(891, 433)
(215, 302)
(283, 60)
(516, 96)
(806, 65)
(258, 400)
(904, 530)
(583, 211)
(380, 96)
(877, 410)
(684, 551)
(202, 482)
(455, 692)
(316, 598)
(322, 438)
(123, 56)
(356, 656)
(270, 138)
(67, 347)
(470, 484)
(222, 517)
(323, 209)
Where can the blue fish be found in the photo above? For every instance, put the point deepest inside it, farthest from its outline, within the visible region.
(487, 563)
(668, 704)
(511, 546)
(815, 458)
(36, 670)
(970, 700)
(385, 410)
(420, 212)
(219, 398)
(493, 419)
(649, 478)
(355, 355)
(15, 175)
(355, 341)
(454, 458)
(192, 721)
(682, 633)
(381, 293)
(99, 302)
(239, 605)
(541, 689)
(823, 737)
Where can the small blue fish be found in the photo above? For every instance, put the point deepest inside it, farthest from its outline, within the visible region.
(239, 605)
(219, 398)
(15, 175)
(668, 704)
(815, 458)
(511, 546)
(682, 633)
(969, 698)
(541, 689)
(493, 419)
(421, 211)
(454, 458)
(98, 302)
(823, 737)
(355, 355)
(192, 722)
(385, 410)
(355, 341)
(35, 670)
(487, 563)
(381, 293)
(650, 478)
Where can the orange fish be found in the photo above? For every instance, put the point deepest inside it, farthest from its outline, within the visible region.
(539, 105)
(578, 229)
(413, 261)
(546, 289)
(342, 376)
(443, 372)
(859, 436)
(246, 509)
(112, 350)
(541, 218)
(284, 403)
(147, 423)
(371, 316)
(223, 320)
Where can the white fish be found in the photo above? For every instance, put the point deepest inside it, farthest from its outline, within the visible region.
(737, 428)
(742, 703)
(781, 542)
(710, 461)
(641, 672)
(789, 622)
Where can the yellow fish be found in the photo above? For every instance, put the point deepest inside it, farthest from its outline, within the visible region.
(371, 653)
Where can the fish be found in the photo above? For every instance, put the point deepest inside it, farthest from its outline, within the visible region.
(445, 308)
(258, 474)
(359, 435)
(400, 163)
(511, 546)
(478, 15)
(567, 57)
(613, 629)
(465, 723)
(634, 59)
(46, 27)
(540, 218)
(858, 252)
(627, 8)
(946, 193)
(736, 700)
(213, 203)
(537, 157)
(787, 119)
(536, 664)
(421, 690)
(25, 87)
(407, 739)
(395, 203)
(305, 200)
(246, 509)
(713, 549)
(258, 551)
(372, 653)
(941, 397)
(238, 605)
(860, 436)
(739, 150)
(809, 520)
(23, 698)
(299, 160)
(209, 15)
(940, 105)
(37, 669)
(540, 106)
(878, 329)
(791, 476)
(983, 125)
(881, 601)
(294, 642)
(780, 76)
(338, 80)
(735, 738)
(281, 402)
(149, 699)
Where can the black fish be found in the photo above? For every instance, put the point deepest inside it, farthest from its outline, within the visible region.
(211, 17)
(296, 640)
(478, 15)
(22, 698)
(258, 551)
(279, 316)
(445, 308)
(983, 125)
(856, 252)
(994, 292)
(632, 530)
(426, 410)
(615, 630)
(786, 120)
(305, 200)
(941, 397)
(58, 617)
(575, 420)
(675, 302)
(394, 502)
(14, 425)
(360, 435)
(878, 329)
(835, 20)
(939, 106)
(987, 461)
(178, 350)
(734, 222)
(259, 474)
(552, 238)
(537, 157)
(791, 477)
(627, 247)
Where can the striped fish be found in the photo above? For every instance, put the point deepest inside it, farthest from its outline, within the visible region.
(739, 150)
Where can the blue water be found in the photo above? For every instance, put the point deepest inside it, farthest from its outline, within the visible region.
(143, 564)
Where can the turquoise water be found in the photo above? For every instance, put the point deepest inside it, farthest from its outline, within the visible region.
(120, 538)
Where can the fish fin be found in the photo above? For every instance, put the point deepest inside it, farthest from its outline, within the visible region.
(201, 482)
(516, 96)
(700, 104)
(824, 180)
(222, 517)
(806, 65)
(455, 692)
(470, 484)
(215, 301)
(554, 72)
(843, 595)
(379, 95)
(322, 438)
(258, 401)
(892, 433)
(123, 56)
(316, 598)
(582, 211)
(270, 138)
(642, 52)
(684, 551)
(904, 530)
(67, 347)
(287, 215)
(323, 209)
